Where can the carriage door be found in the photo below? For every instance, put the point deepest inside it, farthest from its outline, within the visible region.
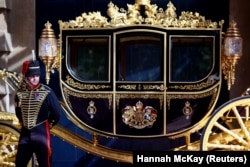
(139, 68)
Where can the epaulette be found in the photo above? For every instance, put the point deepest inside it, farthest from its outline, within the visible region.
(45, 87)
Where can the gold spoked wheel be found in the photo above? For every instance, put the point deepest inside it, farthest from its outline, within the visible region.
(8, 144)
(228, 127)
(9, 136)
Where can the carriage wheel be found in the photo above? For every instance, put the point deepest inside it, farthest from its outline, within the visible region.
(228, 127)
(9, 136)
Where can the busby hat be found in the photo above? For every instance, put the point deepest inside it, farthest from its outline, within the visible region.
(31, 68)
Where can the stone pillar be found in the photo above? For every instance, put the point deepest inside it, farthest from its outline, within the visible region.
(5, 49)
(17, 40)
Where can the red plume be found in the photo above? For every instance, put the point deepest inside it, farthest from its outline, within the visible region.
(25, 67)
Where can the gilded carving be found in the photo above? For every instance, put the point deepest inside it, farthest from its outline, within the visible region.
(68, 92)
(132, 16)
(213, 92)
(142, 96)
(209, 82)
(145, 87)
(6, 116)
(12, 79)
(152, 87)
(128, 87)
(78, 85)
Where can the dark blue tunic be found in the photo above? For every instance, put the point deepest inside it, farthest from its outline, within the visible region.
(38, 111)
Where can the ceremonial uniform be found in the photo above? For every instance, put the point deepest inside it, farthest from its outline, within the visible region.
(38, 110)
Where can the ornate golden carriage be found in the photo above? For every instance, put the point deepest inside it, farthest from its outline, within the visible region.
(145, 73)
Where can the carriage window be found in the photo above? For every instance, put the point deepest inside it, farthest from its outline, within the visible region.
(191, 58)
(139, 58)
(89, 58)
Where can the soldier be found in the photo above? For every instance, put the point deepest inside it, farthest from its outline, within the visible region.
(38, 110)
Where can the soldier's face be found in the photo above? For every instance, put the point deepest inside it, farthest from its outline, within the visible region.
(34, 80)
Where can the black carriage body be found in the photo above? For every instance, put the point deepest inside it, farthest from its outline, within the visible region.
(140, 81)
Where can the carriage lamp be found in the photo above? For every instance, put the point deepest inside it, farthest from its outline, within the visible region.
(48, 46)
(232, 53)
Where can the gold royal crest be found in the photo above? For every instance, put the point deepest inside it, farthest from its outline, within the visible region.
(139, 116)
